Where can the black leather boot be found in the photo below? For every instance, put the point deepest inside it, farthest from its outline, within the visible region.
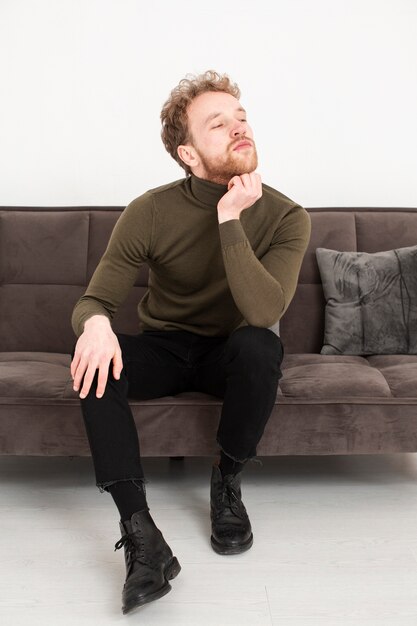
(230, 525)
(150, 563)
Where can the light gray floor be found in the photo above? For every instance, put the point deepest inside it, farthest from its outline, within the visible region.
(335, 543)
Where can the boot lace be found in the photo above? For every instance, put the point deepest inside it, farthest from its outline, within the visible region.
(229, 499)
(134, 552)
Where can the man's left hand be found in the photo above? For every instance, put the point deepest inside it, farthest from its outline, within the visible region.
(243, 191)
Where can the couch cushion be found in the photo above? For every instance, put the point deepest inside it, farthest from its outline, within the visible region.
(371, 301)
(306, 377)
(35, 375)
(331, 376)
(400, 372)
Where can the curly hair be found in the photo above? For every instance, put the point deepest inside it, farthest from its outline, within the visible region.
(175, 131)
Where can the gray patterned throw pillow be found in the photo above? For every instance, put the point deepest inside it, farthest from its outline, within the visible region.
(371, 301)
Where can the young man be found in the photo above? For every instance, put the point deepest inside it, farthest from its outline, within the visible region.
(224, 252)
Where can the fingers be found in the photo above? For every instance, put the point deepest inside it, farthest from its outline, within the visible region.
(117, 364)
(248, 181)
(236, 180)
(74, 364)
(103, 373)
(88, 379)
(84, 369)
(88, 372)
(77, 371)
(257, 184)
(96, 347)
(251, 180)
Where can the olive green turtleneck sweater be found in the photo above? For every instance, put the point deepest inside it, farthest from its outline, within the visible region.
(204, 277)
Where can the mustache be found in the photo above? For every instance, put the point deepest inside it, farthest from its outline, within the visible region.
(240, 141)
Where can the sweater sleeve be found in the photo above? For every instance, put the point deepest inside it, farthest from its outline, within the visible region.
(263, 288)
(128, 248)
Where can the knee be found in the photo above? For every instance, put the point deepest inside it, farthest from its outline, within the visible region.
(257, 345)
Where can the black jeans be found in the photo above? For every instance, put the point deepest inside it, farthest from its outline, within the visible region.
(243, 369)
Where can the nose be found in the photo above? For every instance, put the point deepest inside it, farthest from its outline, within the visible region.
(239, 128)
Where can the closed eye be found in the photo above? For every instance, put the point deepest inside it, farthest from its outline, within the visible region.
(219, 125)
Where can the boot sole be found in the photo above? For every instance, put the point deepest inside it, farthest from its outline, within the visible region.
(171, 571)
(221, 548)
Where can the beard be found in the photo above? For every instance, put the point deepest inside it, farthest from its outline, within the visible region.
(234, 163)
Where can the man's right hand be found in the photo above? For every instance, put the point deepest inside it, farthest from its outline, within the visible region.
(95, 348)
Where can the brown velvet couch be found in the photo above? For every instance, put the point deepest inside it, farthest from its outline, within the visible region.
(325, 404)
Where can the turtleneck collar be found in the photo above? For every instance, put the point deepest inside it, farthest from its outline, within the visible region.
(206, 191)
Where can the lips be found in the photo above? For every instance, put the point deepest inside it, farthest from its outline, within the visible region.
(243, 144)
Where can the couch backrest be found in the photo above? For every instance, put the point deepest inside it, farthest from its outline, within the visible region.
(48, 255)
(359, 229)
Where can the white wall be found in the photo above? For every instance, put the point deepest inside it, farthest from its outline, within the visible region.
(330, 87)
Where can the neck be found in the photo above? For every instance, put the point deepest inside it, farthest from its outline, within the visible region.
(207, 191)
(219, 179)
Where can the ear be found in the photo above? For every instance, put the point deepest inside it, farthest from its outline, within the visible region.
(188, 155)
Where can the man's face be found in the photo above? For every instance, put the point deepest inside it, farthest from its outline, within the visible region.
(217, 124)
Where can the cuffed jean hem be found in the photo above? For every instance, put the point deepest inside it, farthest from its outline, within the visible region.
(252, 459)
(105, 486)
(234, 458)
